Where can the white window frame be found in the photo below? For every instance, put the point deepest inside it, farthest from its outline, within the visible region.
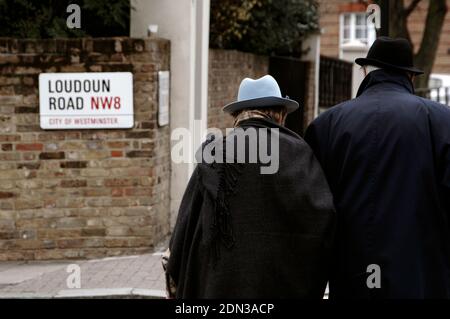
(371, 34)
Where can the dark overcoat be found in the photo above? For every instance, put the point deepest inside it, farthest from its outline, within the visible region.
(386, 155)
(243, 234)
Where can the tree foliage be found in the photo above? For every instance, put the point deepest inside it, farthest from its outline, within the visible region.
(262, 26)
(47, 18)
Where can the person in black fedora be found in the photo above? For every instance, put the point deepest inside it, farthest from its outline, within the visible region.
(386, 156)
(393, 54)
(245, 232)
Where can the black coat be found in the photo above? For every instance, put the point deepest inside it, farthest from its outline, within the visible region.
(281, 224)
(386, 155)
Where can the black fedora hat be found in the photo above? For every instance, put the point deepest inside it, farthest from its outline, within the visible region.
(390, 53)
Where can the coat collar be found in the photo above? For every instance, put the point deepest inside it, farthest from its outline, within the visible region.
(266, 123)
(385, 79)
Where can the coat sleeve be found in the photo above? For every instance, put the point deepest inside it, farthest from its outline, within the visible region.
(181, 239)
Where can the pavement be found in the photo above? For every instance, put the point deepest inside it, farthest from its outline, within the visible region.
(114, 277)
(117, 277)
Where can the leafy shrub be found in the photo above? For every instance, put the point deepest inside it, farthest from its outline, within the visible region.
(262, 26)
(47, 18)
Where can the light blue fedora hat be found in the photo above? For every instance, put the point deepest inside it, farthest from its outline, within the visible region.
(260, 93)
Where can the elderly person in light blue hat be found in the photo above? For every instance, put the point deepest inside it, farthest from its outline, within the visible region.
(260, 98)
(241, 233)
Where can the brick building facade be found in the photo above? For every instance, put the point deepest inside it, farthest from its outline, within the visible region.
(330, 22)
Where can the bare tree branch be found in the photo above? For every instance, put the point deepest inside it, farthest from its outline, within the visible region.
(398, 27)
(397, 20)
(424, 59)
(411, 7)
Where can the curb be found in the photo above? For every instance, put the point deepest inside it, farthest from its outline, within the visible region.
(111, 293)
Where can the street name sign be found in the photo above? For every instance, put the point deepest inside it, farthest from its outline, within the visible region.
(97, 100)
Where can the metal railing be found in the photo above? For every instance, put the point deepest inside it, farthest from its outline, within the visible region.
(335, 81)
(440, 94)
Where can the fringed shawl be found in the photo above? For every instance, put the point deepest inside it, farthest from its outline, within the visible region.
(242, 234)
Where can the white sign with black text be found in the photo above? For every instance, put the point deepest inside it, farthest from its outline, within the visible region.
(98, 100)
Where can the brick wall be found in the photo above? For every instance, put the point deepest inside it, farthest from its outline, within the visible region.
(329, 22)
(226, 71)
(81, 193)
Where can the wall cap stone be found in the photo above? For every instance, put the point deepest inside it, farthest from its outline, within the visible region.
(63, 45)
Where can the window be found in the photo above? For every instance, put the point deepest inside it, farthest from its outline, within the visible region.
(354, 28)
